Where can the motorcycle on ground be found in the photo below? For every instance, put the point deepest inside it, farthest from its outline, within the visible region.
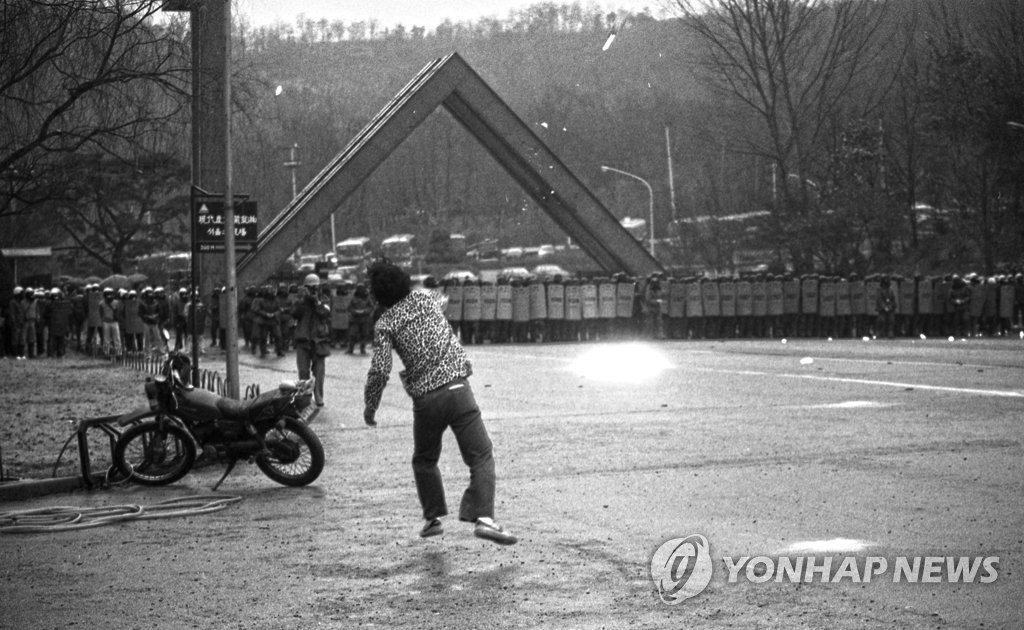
(163, 440)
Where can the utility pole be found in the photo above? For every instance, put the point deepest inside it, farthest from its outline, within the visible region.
(292, 164)
(210, 24)
(231, 360)
(671, 178)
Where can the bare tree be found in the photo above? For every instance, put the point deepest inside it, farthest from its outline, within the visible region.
(118, 211)
(799, 68)
(81, 75)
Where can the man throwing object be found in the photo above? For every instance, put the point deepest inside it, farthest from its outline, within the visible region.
(435, 377)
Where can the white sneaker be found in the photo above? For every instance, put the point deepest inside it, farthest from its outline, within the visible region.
(494, 532)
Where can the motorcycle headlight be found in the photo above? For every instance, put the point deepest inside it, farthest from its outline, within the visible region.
(153, 393)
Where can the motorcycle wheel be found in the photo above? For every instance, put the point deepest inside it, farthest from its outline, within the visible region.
(154, 456)
(296, 454)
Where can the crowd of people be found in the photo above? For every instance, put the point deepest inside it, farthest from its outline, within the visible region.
(267, 315)
(46, 322)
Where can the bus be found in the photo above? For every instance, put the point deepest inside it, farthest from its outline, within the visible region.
(165, 268)
(400, 249)
(354, 251)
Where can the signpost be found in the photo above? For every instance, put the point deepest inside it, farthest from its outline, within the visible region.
(208, 235)
(208, 223)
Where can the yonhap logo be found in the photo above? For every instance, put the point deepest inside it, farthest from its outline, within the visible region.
(681, 568)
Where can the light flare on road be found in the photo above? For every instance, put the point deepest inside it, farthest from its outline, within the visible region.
(832, 545)
(632, 363)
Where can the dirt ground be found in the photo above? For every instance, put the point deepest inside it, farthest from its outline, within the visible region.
(910, 449)
(42, 399)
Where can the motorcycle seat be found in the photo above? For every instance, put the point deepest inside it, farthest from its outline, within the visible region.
(231, 409)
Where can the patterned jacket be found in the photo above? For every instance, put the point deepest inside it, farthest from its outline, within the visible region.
(416, 328)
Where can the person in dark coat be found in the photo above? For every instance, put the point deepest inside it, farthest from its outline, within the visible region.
(58, 322)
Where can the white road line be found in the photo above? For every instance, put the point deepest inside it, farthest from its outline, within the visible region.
(863, 381)
(886, 360)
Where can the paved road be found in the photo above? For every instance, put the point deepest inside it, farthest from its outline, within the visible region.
(800, 451)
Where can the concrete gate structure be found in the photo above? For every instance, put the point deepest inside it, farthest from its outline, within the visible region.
(451, 83)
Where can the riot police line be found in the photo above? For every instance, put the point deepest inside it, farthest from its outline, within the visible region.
(44, 322)
(748, 307)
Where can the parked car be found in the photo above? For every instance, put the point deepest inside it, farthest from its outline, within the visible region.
(545, 250)
(417, 280)
(512, 253)
(345, 273)
(462, 275)
(511, 273)
(307, 263)
(548, 272)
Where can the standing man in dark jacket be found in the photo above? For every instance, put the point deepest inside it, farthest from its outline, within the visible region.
(359, 311)
(149, 313)
(59, 321)
(312, 317)
(413, 324)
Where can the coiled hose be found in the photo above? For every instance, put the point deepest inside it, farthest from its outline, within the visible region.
(64, 518)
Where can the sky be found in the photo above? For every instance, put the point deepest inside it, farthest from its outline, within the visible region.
(409, 13)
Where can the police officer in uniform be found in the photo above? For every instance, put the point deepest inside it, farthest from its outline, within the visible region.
(538, 310)
(488, 311)
(776, 306)
(712, 308)
(960, 306)
(470, 312)
(694, 309)
(676, 308)
(606, 305)
(503, 311)
(520, 310)
(589, 310)
(573, 310)
(555, 291)
(809, 305)
(453, 312)
(858, 306)
(827, 306)
(625, 301)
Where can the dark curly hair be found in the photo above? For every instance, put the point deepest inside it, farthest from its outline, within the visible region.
(388, 283)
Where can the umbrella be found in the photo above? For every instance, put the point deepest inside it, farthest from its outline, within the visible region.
(116, 281)
(69, 281)
(138, 279)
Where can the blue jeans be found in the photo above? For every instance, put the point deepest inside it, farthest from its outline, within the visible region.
(454, 406)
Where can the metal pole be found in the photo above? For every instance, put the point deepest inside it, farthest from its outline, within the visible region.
(671, 178)
(194, 289)
(229, 221)
(650, 197)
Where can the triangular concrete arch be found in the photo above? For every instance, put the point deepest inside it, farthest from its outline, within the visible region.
(450, 82)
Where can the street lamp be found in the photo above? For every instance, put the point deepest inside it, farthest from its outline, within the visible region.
(650, 198)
